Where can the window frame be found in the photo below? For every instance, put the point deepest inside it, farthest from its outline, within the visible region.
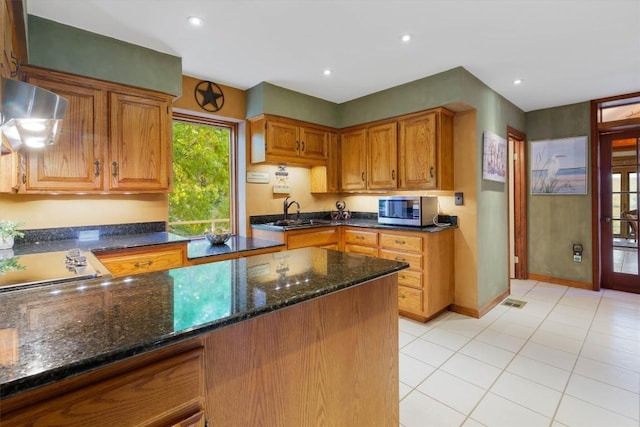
(233, 157)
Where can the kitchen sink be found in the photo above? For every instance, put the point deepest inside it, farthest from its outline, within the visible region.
(298, 223)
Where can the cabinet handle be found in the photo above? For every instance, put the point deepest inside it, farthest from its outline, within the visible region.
(393, 174)
(115, 169)
(399, 259)
(24, 178)
(303, 146)
(143, 264)
(297, 145)
(363, 176)
(97, 164)
(359, 237)
(400, 242)
(431, 171)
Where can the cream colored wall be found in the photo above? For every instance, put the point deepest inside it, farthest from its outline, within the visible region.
(70, 210)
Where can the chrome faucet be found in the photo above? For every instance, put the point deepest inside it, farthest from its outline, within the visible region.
(286, 207)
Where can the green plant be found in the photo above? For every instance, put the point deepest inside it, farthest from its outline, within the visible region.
(9, 229)
(10, 264)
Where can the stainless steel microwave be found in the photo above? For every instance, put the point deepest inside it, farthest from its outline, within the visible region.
(417, 211)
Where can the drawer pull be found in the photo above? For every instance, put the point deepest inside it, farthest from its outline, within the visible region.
(359, 237)
(143, 264)
(400, 242)
(399, 259)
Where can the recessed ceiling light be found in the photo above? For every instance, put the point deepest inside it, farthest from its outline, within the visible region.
(406, 38)
(327, 72)
(195, 21)
(517, 81)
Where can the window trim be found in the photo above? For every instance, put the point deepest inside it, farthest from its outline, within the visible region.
(233, 154)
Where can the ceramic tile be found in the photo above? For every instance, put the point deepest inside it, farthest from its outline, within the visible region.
(557, 341)
(611, 356)
(452, 391)
(470, 422)
(404, 390)
(471, 370)
(466, 326)
(606, 396)
(576, 412)
(427, 352)
(487, 353)
(609, 374)
(413, 371)
(575, 332)
(419, 410)
(539, 372)
(614, 342)
(509, 326)
(496, 411)
(445, 338)
(501, 340)
(405, 338)
(529, 394)
(412, 327)
(558, 358)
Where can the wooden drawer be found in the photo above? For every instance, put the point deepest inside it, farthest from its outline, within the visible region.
(123, 264)
(362, 238)
(313, 237)
(162, 393)
(409, 299)
(414, 260)
(410, 278)
(365, 250)
(401, 242)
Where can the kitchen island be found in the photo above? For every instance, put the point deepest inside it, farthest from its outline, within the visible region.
(286, 338)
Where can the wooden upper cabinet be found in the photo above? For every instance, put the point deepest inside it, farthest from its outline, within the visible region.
(280, 140)
(353, 153)
(283, 139)
(75, 161)
(326, 179)
(140, 143)
(369, 157)
(113, 139)
(425, 147)
(383, 161)
(12, 37)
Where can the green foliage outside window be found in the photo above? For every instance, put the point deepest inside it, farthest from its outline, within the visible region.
(201, 168)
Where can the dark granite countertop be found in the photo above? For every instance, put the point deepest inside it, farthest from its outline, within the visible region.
(201, 248)
(100, 244)
(56, 331)
(354, 222)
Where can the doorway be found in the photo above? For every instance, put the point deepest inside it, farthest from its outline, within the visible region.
(517, 148)
(619, 155)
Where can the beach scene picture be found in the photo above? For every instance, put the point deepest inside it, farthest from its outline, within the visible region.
(559, 166)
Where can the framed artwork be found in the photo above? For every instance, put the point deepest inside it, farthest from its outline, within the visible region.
(494, 157)
(559, 166)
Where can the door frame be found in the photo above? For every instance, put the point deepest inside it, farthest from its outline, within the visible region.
(596, 130)
(517, 142)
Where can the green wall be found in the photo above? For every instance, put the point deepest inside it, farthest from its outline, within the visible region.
(69, 49)
(556, 222)
(271, 99)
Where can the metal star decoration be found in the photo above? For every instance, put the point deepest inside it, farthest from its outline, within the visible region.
(209, 96)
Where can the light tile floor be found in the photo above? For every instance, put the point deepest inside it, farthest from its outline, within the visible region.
(569, 357)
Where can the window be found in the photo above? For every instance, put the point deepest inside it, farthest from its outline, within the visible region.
(203, 176)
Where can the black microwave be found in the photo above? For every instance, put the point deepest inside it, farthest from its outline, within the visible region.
(417, 211)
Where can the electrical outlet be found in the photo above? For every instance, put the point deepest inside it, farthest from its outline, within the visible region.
(459, 199)
(577, 258)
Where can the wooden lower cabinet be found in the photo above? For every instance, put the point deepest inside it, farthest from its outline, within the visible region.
(426, 288)
(151, 390)
(128, 262)
(323, 237)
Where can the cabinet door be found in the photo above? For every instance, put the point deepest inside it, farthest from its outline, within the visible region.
(417, 148)
(6, 34)
(140, 138)
(282, 139)
(383, 157)
(353, 150)
(75, 162)
(313, 143)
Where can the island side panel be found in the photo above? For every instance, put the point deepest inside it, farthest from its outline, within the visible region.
(330, 361)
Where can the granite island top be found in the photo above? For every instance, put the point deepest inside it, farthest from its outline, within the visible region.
(56, 331)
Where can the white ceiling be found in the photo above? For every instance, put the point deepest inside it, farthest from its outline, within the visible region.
(565, 51)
